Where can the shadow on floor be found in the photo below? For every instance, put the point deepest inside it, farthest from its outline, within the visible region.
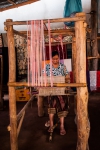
(34, 134)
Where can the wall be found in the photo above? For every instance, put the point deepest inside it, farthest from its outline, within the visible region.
(43, 9)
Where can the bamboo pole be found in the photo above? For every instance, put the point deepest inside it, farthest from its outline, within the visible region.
(24, 108)
(12, 78)
(25, 84)
(82, 92)
(79, 18)
(20, 123)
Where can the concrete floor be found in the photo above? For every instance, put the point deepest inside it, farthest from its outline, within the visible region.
(34, 135)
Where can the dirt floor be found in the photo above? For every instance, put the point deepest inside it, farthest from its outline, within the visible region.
(34, 135)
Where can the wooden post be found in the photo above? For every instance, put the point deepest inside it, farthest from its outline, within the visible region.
(1, 82)
(12, 78)
(74, 73)
(94, 65)
(74, 58)
(40, 106)
(88, 47)
(82, 92)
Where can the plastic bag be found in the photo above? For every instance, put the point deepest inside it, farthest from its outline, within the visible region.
(71, 8)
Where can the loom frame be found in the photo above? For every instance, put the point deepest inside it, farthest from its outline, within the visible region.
(79, 69)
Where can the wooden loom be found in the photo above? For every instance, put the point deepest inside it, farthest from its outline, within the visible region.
(79, 69)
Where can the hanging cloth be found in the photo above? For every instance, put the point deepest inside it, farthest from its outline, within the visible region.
(71, 8)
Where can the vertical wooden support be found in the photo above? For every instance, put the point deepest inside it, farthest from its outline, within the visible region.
(88, 47)
(94, 34)
(82, 92)
(1, 81)
(12, 78)
(74, 73)
(40, 106)
(74, 58)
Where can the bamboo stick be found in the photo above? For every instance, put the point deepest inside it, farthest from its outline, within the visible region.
(16, 84)
(20, 123)
(79, 18)
(12, 78)
(24, 108)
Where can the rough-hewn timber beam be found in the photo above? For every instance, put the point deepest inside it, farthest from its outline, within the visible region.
(82, 18)
(15, 84)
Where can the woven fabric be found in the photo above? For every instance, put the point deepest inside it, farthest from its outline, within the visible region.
(93, 80)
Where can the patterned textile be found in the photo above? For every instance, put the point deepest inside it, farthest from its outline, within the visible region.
(21, 51)
(60, 103)
(60, 71)
(55, 39)
(98, 81)
(93, 80)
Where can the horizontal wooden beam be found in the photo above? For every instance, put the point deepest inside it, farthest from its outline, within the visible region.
(16, 84)
(98, 38)
(96, 57)
(57, 43)
(67, 32)
(68, 19)
(19, 33)
(18, 5)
